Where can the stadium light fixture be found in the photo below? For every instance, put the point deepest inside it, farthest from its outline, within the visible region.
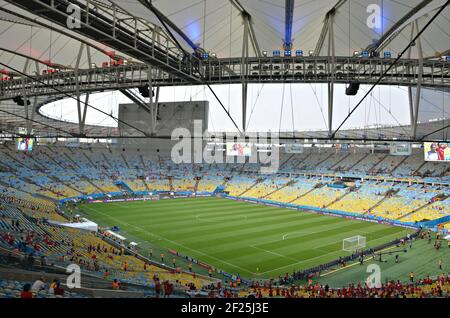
(311, 52)
(264, 53)
(356, 53)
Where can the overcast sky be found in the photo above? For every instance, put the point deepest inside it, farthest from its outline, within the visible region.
(275, 107)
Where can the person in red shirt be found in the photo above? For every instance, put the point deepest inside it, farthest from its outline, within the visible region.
(169, 289)
(157, 288)
(441, 151)
(166, 289)
(26, 293)
(58, 291)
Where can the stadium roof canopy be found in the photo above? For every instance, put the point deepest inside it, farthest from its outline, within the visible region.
(30, 42)
(218, 27)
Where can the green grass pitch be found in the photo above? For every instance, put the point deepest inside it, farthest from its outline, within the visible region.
(422, 259)
(253, 240)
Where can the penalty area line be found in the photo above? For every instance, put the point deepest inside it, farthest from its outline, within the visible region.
(274, 253)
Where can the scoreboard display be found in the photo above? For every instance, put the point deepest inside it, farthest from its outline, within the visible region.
(437, 151)
(400, 149)
(24, 143)
(239, 149)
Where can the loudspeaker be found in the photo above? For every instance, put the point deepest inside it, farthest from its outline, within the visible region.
(352, 89)
(145, 91)
(19, 101)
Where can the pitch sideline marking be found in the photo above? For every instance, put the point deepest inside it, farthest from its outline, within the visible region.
(309, 259)
(304, 261)
(356, 263)
(299, 262)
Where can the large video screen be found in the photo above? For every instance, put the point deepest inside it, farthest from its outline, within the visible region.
(400, 149)
(294, 148)
(24, 143)
(437, 151)
(239, 149)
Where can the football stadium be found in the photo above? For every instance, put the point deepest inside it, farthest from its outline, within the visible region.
(224, 149)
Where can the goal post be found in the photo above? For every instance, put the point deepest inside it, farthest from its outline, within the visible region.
(354, 243)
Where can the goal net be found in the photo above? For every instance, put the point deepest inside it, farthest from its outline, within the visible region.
(354, 243)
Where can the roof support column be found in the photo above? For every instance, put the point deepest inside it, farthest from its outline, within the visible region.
(153, 111)
(411, 104)
(33, 112)
(36, 66)
(86, 100)
(410, 94)
(324, 31)
(81, 113)
(27, 110)
(29, 113)
(25, 98)
(331, 71)
(35, 100)
(244, 72)
(156, 102)
(419, 84)
(247, 20)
